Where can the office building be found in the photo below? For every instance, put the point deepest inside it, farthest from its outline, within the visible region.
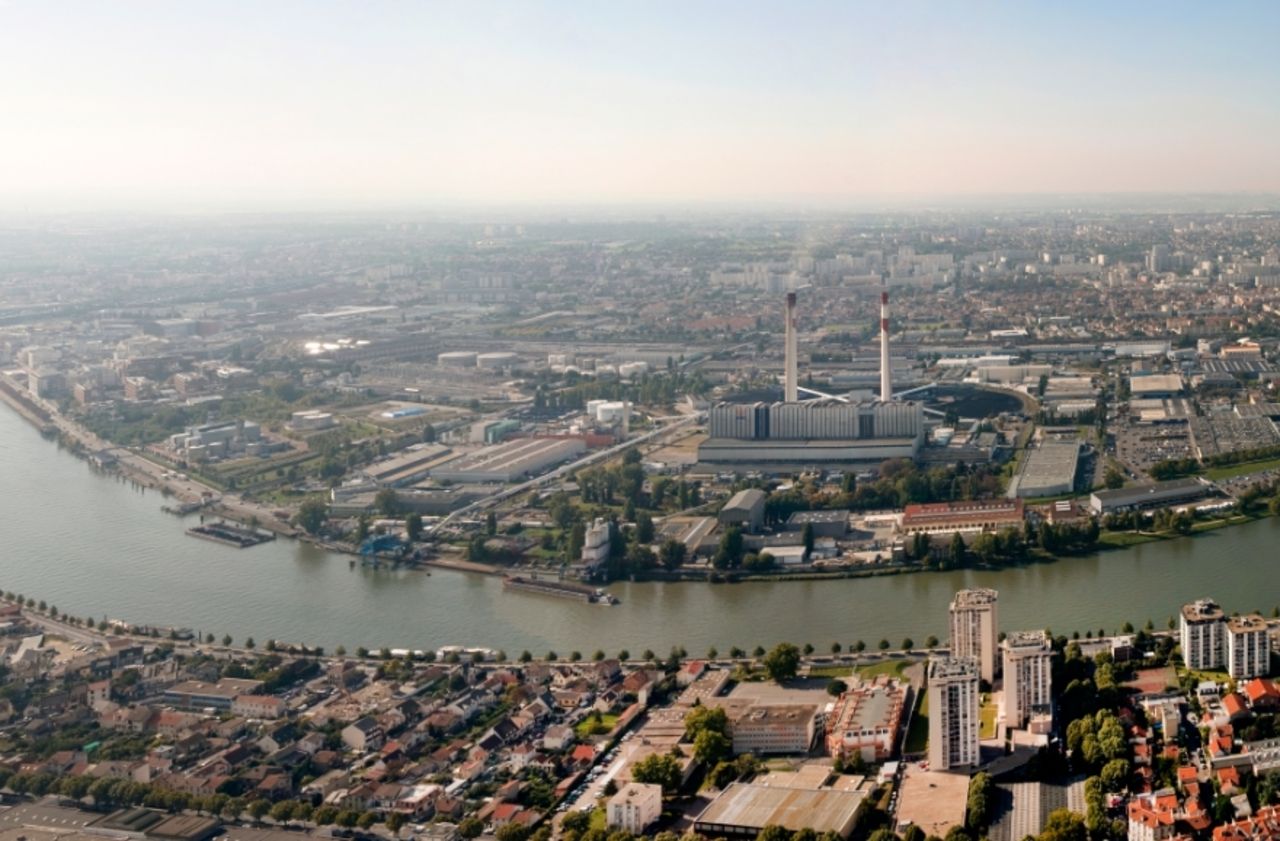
(953, 713)
(1027, 664)
(975, 630)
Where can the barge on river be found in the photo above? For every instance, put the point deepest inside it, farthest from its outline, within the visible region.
(556, 587)
(230, 534)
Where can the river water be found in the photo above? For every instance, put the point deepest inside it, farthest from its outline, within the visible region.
(93, 544)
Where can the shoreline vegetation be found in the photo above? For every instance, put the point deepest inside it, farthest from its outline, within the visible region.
(995, 553)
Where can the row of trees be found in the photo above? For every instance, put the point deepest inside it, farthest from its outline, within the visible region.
(114, 793)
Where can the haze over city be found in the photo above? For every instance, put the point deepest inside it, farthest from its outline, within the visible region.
(324, 105)
(639, 421)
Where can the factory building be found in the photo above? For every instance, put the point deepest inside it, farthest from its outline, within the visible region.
(813, 432)
(513, 460)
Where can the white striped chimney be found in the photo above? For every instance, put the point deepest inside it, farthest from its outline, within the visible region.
(790, 374)
(886, 380)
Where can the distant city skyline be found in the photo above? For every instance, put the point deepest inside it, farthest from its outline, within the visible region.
(287, 106)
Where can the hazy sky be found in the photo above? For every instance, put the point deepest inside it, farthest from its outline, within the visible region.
(327, 104)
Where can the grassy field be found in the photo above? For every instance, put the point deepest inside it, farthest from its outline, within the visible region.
(987, 717)
(588, 727)
(1121, 539)
(831, 671)
(888, 667)
(1233, 470)
(918, 735)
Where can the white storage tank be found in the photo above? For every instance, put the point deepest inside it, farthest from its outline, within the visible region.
(611, 412)
(496, 360)
(457, 359)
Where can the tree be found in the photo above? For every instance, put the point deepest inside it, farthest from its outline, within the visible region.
(413, 526)
(978, 807)
(326, 815)
(773, 832)
(259, 808)
(659, 769)
(226, 639)
(957, 552)
(672, 554)
(729, 553)
(837, 687)
(312, 514)
(574, 821)
(644, 528)
(386, 503)
(781, 663)
(472, 827)
(1115, 774)
(395, 820)
(1063, 825)
(491, 524)
(711, 747)
(806, 537)
(282, 812)
(1112, 478)
(249, 643)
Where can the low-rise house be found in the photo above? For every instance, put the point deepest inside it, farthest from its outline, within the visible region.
(634, 807)
(558, 737)
(364, 735)
(259, 706)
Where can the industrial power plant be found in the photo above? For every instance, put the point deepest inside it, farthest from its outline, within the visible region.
(818, 431)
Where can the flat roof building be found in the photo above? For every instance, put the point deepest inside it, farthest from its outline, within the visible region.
(1201, 634)
(975, 629)
(1248, 650)
(509, 462)
(865, 720)
(775, 729)
(1048, 470)
(743, 809)
(1026, 658)
(1150, 495)
(953, 713)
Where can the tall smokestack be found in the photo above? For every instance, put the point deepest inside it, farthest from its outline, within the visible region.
(886, 378)
(790, 376)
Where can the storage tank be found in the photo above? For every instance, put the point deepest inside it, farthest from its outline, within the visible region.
(496, 360)
(457, 359)
(611, 412)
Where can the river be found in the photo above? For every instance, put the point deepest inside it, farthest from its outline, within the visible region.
(93, 544)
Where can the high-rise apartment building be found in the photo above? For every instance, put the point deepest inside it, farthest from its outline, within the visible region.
(953, 713)
(1248, 653)
(974, 629)
(1202, 630)
(1027, 660)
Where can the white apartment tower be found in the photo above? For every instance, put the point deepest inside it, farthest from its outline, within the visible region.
(1202, 629)
(1248, 647)
(974, 629)
(953, 713)
(1027, 658)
